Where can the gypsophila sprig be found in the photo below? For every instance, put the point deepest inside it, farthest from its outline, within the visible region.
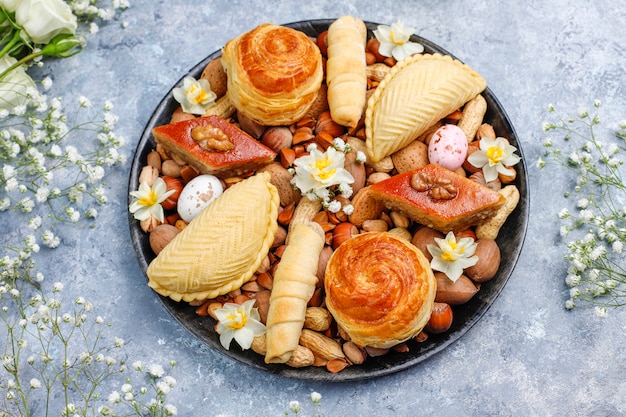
(295, 407)
(58, 345)
(58, 356)
(594, 224)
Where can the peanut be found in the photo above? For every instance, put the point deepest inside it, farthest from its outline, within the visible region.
(317, 318)
(304, 212)
(223, 108)
(473, 114)
(300, 358)
(320, 345)
(491, 228)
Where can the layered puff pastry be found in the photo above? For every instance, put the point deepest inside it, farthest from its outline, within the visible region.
(380, 289)
(417, 92)
(294, 283)
(274, 74)
(222, 247)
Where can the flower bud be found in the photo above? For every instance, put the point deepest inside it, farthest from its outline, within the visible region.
(64, 46)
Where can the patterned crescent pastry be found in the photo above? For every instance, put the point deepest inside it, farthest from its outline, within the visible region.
(380, 289)
(418, 91)
(274, 74)
(222, 247)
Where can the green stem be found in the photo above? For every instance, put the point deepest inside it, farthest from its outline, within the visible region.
(14, 41)
(22, 61)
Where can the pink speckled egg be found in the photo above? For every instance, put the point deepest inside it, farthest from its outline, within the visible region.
(448, 147)
(197, 194)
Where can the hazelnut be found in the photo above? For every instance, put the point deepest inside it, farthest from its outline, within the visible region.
(423, 236)
(440, 318)
(277, 138)
(172, 184)
(161, 235)
(488, 263)
(343, 232)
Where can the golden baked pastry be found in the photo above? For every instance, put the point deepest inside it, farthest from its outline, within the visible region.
(246, 154)
(438, 198)
(222, 247)
(294, 284)
(274, 73)
(380, 289)
(345, 70)
(417, 92)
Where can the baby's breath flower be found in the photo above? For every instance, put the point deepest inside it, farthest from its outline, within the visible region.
(114, 397)
(156, 370)
(596, 267)
(294, 406)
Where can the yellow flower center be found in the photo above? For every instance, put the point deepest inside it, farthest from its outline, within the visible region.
(321, 165)
(150, 200)
(196, 96)
(236, 320)
(495, 154)
(394, 40)
(452, 253)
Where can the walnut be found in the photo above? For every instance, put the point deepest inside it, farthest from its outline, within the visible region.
(437, 188)
(211, 138)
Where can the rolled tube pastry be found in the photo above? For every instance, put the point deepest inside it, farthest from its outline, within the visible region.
(345, 70)
(294, 284)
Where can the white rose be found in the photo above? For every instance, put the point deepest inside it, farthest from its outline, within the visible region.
(45, 19)
(9, 5)
(13, 86)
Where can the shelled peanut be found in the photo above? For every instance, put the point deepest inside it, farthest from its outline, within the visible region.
(330, 347)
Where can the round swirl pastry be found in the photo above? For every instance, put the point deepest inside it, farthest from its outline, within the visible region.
(380, 289)
(274, 74)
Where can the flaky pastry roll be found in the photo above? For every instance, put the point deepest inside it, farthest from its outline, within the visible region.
(380, 289)
(294, 284)
(274, 74)
(345, 70)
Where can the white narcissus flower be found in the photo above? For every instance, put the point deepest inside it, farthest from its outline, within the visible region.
(394, 41)
(240, 322)
(195, 96)
(147, 200)
(318, 171)
(14, 85)
(452, 257)
(493, 157)
(45, 19)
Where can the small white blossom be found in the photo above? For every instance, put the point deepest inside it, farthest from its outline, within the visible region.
(294, 406)
(115, 397)
(156, 370)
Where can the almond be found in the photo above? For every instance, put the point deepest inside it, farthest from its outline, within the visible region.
(281, 179)
(414, 155)
(366, 207)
